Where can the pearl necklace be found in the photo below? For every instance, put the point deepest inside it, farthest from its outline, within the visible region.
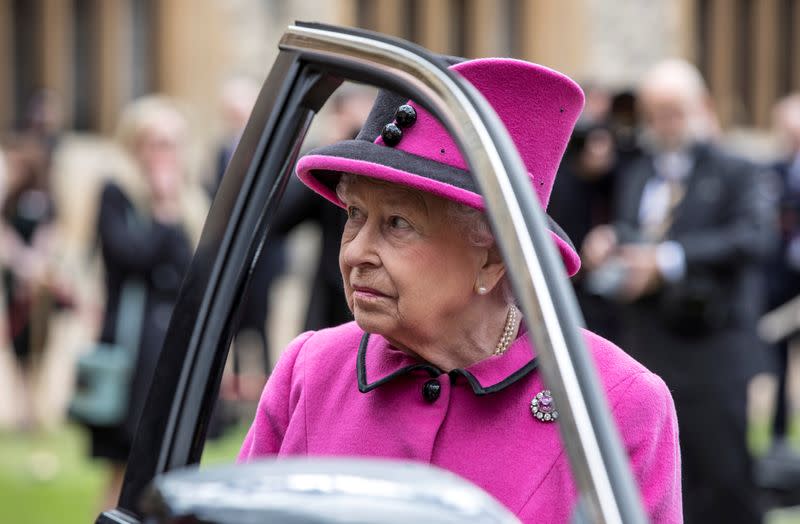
(508, 331)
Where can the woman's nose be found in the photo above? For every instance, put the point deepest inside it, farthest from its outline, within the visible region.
(361, 250)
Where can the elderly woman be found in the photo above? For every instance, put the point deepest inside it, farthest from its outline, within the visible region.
(437, 366)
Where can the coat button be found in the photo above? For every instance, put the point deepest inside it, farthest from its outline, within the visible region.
(431, 390)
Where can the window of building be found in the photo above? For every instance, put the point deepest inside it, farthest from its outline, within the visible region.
(26, 50)
(749, 51)
(84, 64)
(143, 34)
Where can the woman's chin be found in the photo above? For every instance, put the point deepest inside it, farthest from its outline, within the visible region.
(371, 322)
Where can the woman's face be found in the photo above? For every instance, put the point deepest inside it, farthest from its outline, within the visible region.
(408, 270)
(159, 154)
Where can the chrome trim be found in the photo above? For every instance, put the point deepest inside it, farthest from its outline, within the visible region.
(589, 463)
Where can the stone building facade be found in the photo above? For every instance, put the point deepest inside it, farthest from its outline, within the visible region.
(101, 53)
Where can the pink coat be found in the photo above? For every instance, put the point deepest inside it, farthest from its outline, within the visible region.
(480, 425)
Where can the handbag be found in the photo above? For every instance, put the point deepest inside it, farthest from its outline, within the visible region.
(104, 373)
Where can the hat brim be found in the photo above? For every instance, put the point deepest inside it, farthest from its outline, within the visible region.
(321, 168)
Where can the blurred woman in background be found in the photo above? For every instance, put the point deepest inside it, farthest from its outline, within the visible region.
(29, 281)
(147, 225)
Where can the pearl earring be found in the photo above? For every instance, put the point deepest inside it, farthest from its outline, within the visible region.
(482, 290)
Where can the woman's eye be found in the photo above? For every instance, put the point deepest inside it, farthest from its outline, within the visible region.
(353, 212)
(399, 223)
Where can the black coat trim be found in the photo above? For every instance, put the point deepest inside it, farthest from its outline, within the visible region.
(361, 369)
(433, 371)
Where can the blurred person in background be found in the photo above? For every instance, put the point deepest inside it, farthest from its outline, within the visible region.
(147, 226)
(583, 193)
(691, 228)
(3, 179)
(783, 270)
(32, 284)
(30, 280)
(327, 305)
(250, 355)
(44, 123)
(237, 98)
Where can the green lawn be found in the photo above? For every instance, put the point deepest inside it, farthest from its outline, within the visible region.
(47, 478)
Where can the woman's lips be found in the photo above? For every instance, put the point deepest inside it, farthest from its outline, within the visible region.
(367, 293)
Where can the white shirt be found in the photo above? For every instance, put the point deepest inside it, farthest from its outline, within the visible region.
(656, 205)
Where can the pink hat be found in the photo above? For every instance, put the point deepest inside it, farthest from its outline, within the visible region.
(404, 144)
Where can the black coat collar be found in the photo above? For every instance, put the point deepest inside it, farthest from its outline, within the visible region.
(488, 376)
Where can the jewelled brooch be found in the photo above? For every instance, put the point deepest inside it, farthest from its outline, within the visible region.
(543, 407)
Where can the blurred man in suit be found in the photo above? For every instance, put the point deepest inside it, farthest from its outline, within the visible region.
(602, 144)
(783, 270)
(691, 227)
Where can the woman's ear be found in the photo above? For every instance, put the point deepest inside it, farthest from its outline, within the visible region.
(492, 270)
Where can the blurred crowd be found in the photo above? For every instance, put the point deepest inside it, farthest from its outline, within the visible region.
(685, 243)
(32, 283)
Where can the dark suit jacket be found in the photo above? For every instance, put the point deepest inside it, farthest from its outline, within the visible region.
(702, 328)
(784, 281)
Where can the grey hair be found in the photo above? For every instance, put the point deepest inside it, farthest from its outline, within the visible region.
(473, 223)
